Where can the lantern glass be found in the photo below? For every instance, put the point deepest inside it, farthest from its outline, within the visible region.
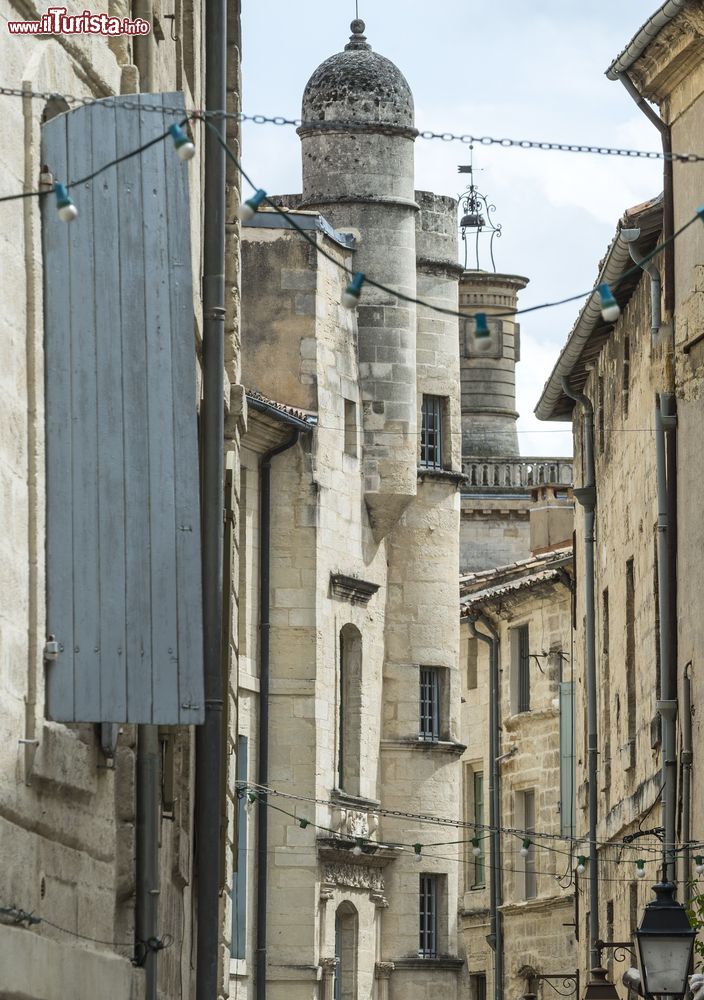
(665, 941)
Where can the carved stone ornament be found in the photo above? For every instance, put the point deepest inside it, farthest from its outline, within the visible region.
(356, 876)
(328, 965)
(383, 970)
(327, 890)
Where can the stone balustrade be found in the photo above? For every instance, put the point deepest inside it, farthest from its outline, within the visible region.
(512, 473)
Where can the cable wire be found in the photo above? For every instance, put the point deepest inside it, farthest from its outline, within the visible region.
(465, 138)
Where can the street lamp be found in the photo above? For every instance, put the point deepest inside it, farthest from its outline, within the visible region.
(665, 942)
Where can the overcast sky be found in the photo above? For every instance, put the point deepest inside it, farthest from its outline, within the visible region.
(507, 68)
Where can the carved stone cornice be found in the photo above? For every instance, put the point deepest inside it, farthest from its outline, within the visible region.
(350, 588)
(354, 876)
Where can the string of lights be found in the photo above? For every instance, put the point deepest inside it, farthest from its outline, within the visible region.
(185, 149)
(256, 792)
(610, 308)
(577, 864)
(466, 139)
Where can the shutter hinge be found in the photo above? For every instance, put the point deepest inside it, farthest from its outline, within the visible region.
(52, 648)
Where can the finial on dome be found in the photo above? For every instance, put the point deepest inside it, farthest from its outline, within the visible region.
(358, 40)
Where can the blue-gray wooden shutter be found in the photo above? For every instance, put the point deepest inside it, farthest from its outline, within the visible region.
(123, 562)
(568, 804)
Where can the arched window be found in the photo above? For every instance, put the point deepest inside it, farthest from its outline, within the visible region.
(346, 922)
(350, 710)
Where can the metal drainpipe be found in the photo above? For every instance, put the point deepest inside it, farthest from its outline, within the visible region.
(586, 497)
(263, 734)
(147, 850)
(629, 236)
(209, 808)
(687, 758)
(668, 223)
(147, 786)
(496, 936)
(667, 706)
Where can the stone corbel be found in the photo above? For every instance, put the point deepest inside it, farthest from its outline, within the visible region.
(327, 891)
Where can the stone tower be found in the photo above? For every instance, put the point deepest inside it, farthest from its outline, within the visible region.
(357, 144)
(489, 381)
(497, 495)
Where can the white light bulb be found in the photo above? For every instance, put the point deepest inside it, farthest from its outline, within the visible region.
(67, 213)
(186, 151)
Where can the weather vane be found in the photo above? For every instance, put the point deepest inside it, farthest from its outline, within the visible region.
(476, 216)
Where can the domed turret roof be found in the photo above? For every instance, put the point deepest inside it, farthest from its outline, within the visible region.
(358, 86)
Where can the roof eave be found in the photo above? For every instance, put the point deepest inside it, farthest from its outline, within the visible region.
(643, 37)
(616, 262)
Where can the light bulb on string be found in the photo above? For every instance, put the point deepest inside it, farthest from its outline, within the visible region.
(252, 797)
(357, 849)
(483, 338)
(581, 865)
(303, 823)
(249, 208)
(417, 848)
(525, 847)
(610, 309)
(699, 865)
(640, 869)
(350, 297)
(65, 207)
(185, 147)
(476, 847)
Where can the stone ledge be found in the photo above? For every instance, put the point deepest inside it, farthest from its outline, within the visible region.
(437, 746)
(442, 476)
(442, 962)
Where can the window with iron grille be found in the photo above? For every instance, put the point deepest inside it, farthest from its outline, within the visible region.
(479, 879)
(428, 913)
(520, 670)
(431, 432)
(429, 728)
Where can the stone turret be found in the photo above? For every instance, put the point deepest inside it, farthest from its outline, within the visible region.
(357, 142)
(489, 381)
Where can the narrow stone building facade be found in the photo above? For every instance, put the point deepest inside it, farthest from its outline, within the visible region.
(517, 892)
(354, 694)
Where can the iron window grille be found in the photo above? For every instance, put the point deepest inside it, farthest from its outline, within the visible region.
(429, 704)
(428, 912)
(523, 670)
(431, 433)
(479, 880)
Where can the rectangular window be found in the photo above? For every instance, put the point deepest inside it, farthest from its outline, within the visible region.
(428, 913)
(429, 728)
(239, 877)
(520, 670)
(431, 432)
(626, 374)
(631, 654)
(530, 885)
(472, 652)
(478, 818)
(350, 428)
(656, 603)
(606, 696)
(477, 985)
